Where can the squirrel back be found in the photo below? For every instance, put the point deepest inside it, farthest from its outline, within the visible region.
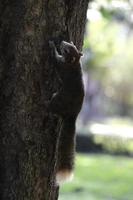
(67, 103)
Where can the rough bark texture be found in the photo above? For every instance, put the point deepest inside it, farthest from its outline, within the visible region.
(28, 133)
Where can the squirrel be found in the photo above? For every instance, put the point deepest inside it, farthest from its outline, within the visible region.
(67, 103)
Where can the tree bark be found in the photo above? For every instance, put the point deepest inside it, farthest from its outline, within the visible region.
(28, 132)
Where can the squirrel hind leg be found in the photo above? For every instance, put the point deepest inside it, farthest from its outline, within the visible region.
(64, 175)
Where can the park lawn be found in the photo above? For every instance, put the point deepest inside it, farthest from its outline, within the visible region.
(100, 177)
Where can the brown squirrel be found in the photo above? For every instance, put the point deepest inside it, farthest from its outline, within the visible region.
(67, 103)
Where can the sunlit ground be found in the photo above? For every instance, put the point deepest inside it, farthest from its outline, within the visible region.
(115, 127)
(100, 177)
(114, 134)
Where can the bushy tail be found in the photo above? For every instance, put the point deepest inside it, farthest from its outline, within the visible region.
(66, 151)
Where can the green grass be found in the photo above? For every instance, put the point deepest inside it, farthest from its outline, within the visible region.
(100, 177)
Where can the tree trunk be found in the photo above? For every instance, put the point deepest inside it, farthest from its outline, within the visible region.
(28, 133)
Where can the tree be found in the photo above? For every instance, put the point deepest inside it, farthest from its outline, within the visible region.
(28, 132)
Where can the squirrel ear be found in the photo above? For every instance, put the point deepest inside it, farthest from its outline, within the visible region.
(80, 54)
(72, 42)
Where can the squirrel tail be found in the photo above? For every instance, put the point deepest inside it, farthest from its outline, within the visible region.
(66, 151)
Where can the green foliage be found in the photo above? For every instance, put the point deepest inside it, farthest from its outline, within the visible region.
(110, 44)
(120, 72)
(101, 42)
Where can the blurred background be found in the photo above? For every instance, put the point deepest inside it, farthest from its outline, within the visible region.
(104, 164)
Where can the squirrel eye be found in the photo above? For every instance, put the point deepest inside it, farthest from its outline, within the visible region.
(66, 51)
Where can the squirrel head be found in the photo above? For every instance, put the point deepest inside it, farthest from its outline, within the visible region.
(70, 52)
